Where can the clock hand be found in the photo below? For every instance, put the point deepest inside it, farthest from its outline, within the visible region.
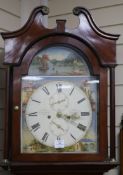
(74, 116)
(58, 126)
(78, 125)
(71, 121)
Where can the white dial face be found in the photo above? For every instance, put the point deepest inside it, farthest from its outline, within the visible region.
(58, 110)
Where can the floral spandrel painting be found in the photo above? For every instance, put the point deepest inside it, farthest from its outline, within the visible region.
(59, 60)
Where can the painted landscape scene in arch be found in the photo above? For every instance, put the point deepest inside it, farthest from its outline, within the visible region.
(58, 61)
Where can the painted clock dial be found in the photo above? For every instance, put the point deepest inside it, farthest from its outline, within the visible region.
(58, 110)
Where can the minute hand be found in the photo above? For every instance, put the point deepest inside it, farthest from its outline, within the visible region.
(58, 126)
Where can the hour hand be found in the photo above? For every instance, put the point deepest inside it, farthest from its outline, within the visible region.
(73, 116)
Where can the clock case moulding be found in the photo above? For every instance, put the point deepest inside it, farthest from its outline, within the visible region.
(87, 37)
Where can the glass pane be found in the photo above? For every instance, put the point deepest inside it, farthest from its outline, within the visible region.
(59, 114)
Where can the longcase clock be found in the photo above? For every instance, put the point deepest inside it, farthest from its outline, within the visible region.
(56, 121)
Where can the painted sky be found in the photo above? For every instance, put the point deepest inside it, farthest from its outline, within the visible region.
(58, 52)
